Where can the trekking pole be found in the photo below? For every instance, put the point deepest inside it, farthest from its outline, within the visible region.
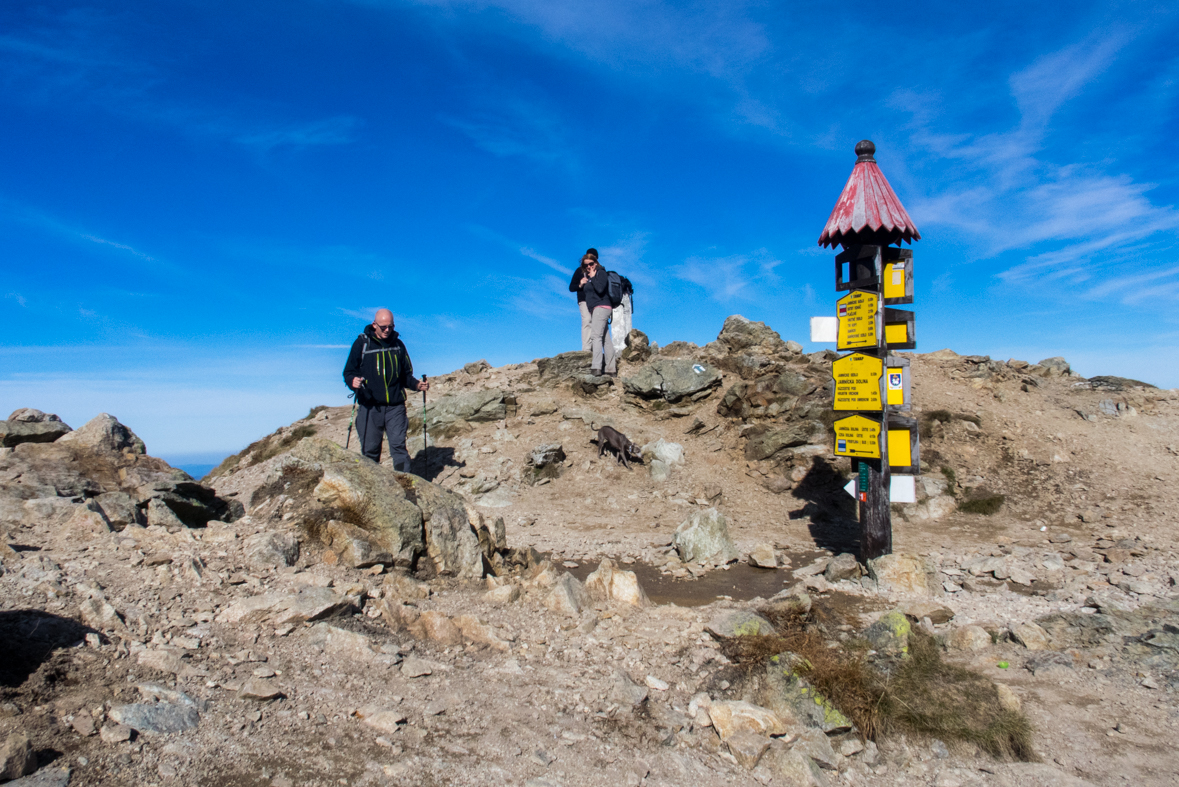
(425, 437)
(355, 397)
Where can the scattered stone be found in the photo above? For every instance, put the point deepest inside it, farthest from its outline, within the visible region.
(739, 623)
(793, 602)
(919, 609)
(791, 767)
(545, 461)
(17, 758)
(657, 684)
(1030, 636)
(904, 574)
(816, 745)
(748, 747)
(50, 776)
(156, 718)
(504, 594)
(259, 690)
(610, 584)
(386, 721)
(271, 550)
(416, 668)
(115, 733)
(705, 536)
(851, 747)
(1008, 698)
(98, 613)
(763, 556)
(731, 717)
(969, 638)
(843, 566)
(404, 587)
(626, 692)
(889, 635)
(568, 596)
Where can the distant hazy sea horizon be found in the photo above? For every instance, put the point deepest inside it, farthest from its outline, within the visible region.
(196, 471)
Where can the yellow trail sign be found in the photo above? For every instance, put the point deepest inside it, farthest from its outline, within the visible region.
(857, 382)
(858, 320)
(858, 436)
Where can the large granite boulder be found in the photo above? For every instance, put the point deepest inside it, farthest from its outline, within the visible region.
(103, 432)
(672, 380)
(369, 491)
(704, 536)
(739, 333)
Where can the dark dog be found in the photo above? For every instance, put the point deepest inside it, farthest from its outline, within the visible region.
(623, 447)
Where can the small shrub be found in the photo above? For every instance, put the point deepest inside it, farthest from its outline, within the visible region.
(315, 411)
(982, 504)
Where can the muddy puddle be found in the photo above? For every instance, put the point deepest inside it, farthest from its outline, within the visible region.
(739, 582)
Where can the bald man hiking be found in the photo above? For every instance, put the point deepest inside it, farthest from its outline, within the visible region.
(379, 370)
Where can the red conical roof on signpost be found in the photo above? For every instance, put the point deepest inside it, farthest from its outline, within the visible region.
(868, 210)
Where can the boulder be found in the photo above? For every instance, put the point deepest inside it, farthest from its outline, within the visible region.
(705, 536)
(790, 766)
(13, 433)
(739, 333)
(764, 397)
(889, 636)
(562, 367)
(448, 415)
(272, 550)
(765, 442)
(671, 380)
(638, 346)
(568, 596)
(1055, 367)
(355, 546)
(88, 518)
(904, 574)
(608, 583)
(747, 748)
(372, 491)
(795, 602)
(104, 433)
(545, 461)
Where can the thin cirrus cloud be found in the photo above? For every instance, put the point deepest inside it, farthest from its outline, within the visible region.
(731, 278)
(89, 70)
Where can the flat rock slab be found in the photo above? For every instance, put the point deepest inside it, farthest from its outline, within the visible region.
(156, 719)
(259, 690)
(46, 777)
(416, 668)
(14, 433)
(309, 604)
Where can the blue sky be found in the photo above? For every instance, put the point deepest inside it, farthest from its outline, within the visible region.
(202, 202)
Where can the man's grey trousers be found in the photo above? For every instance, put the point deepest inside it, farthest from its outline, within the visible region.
(372, 422)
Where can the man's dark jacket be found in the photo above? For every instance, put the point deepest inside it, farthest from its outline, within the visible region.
(384, 365)
(575, 283)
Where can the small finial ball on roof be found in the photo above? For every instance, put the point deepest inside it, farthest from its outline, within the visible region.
(865, 150)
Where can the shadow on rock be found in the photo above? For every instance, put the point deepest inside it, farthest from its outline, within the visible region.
(28, 637)
(440, 460)
(833, 514)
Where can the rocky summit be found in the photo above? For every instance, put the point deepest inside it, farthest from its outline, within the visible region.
(525, 609)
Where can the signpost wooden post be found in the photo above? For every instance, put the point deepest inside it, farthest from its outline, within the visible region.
(867, 219)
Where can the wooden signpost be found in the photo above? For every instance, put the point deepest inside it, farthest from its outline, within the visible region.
(872, 387)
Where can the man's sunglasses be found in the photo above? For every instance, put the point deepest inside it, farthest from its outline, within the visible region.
(383, 327)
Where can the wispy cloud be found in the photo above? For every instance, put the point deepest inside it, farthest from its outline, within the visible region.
(16, 296)
(731, 278)
(81, 59)
(513, 125)
(549, 261)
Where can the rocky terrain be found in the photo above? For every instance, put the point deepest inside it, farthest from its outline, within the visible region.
(525, 610)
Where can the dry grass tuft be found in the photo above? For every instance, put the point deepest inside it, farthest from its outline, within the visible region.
(982, 503)
(922, 696)
(259, 451)
(927, 696)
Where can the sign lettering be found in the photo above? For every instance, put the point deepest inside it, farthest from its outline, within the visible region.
(858, 320)
(857, 382)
